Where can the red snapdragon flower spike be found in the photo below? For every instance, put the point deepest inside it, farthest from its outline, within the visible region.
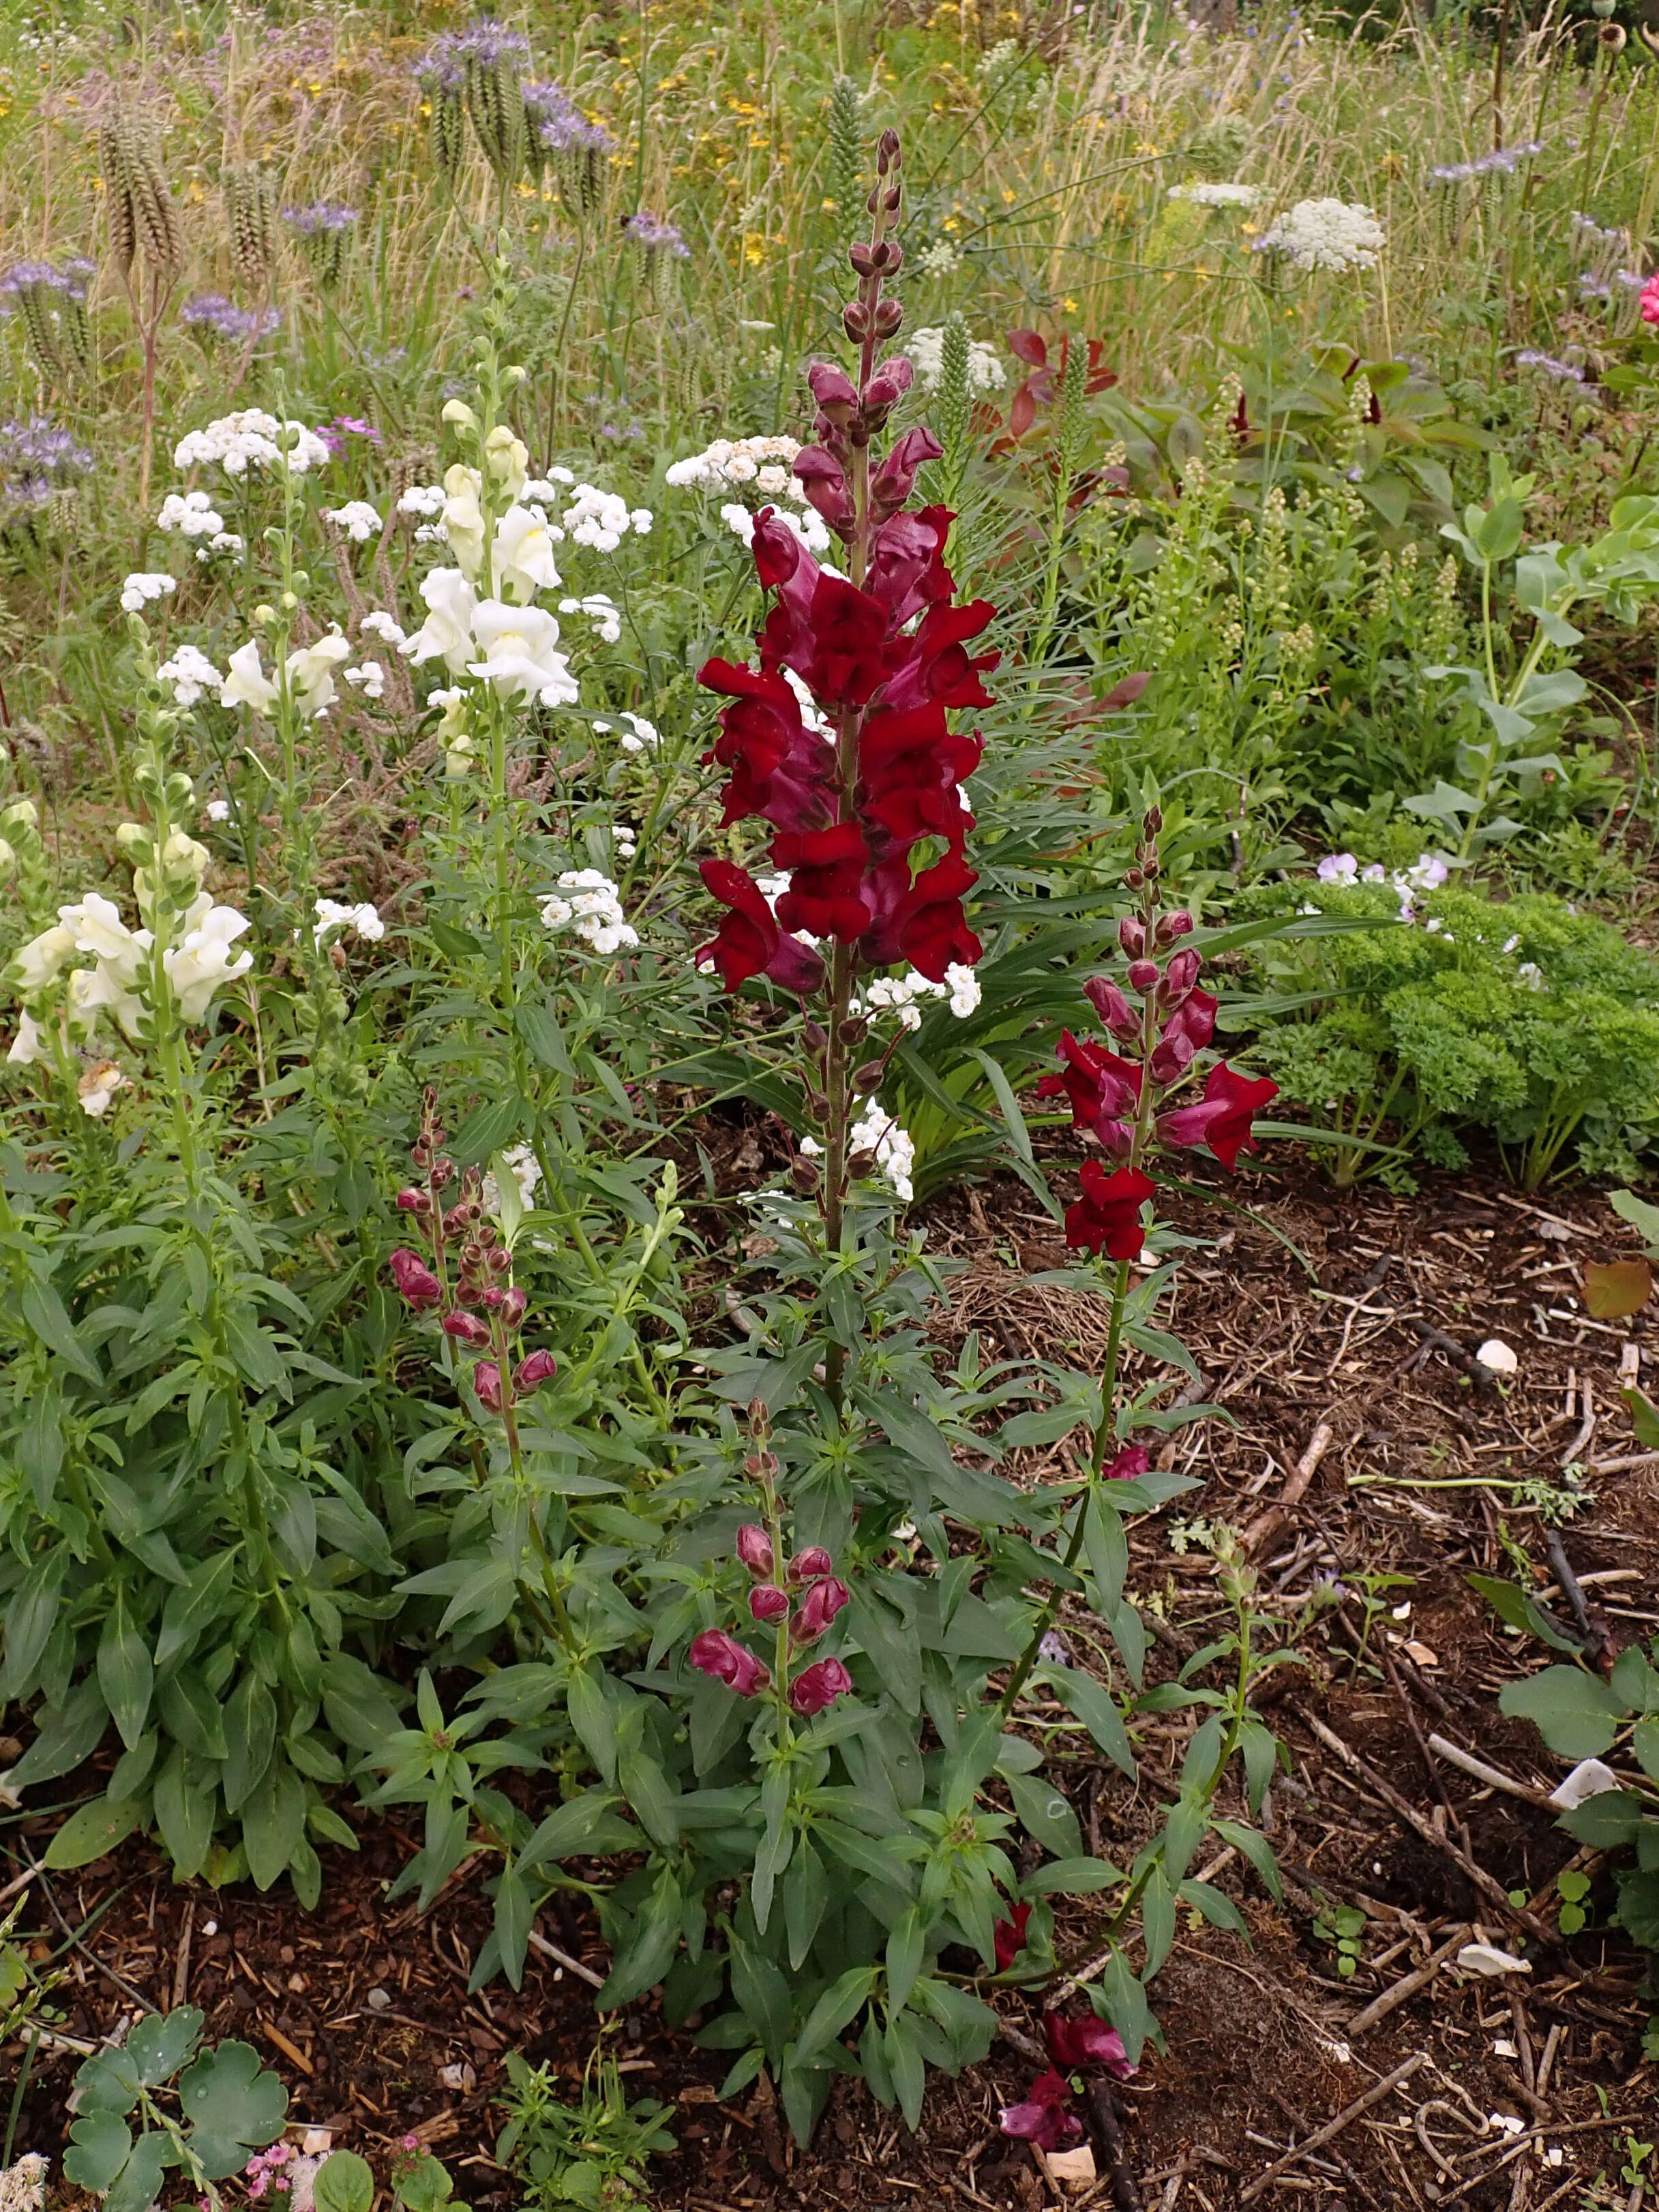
(927, 926)
(832, 634)
(467, 1328)
(487, 1382)
(418, 1287)
(779, 768)
(819, 1607)
(827, 868)
(755, 1550)
(1104, 1091)
(535, 1368)
(1190, 1027)
(807, 1566)
(1009, 1936)
(1128, 1466)
(1123, 1020)
(824, 482)
(1075, 2044)
(818, 1686)
(1042, 2119)
(907, 569)
(1107, 1218)
(893, 481)
(768, 1603)
(834, 392)
(748, 941)
(1222, 1118)
(716, 1653)
(910, 766)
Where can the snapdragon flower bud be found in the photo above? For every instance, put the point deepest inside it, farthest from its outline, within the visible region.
(514, 1304)
(755, 1549)
(807, 1566)
(819, 1607)
(411, 1201)
(1174, 925)
(487, 1382)
(531, 1372)
(467, 1328)
(767, 1603)
(418, 1285)
(1143, 974)
(1132, 935)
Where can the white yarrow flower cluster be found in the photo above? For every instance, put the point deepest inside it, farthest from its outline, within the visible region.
(591, 904)
(639, 736)
(251, 439)
(879, 1134)
(526, 1173)
(145, 586)
(603, 518)
(1325, 233)
(765, 463)
(601, 611)
(900, 994)
(926, 349)
(192, 675)
(363, 920)
(809, 527)
(424, 501)
(369, 678)
(378, 623)
(191, 513)
(359, 520)
(1216, 195)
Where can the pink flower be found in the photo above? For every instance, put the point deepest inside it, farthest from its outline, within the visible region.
(819, 1607)
(538, 1367)
(754, 1548)
(487, 1382)
(1130, 1463)
(1087, 2042)
(768, 1603)
(418, 1287)
(716, 1653)
(1042, 2119)
(467, 1328)
(1651, 300)
(807, 1566)
(819, 1686)
(1222, 1118)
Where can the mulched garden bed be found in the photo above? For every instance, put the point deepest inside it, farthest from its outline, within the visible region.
(1339, 1349)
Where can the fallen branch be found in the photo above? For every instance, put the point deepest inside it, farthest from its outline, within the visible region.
(1262, 1531)
(1477, 1770)
(1407, 1985)
(540, 1942)
(1332, 2129)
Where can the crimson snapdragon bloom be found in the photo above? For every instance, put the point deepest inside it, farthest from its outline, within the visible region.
(851, 786)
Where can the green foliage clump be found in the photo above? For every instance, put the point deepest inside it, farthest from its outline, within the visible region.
(590, 2154)
(1428, 1016)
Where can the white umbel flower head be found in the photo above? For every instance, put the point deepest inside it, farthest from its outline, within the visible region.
(363, 920)
(251, 439)
(1217, 195)
(143, 587)
(192, 675)
(191, 513)
(1327, 233)
(589, 903)
(926, 349)
(359, 520)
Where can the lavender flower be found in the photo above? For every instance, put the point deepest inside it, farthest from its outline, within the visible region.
(24, 276)
(212, 316)
(488, 41)
(320, 216)
(1547, 365)
(441, 70)
(37, 447)
(1502, 161)
(655, 236)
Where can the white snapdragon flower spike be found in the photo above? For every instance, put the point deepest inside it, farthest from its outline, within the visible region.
(251, 439)
(246, 685)
(143, 587)
(311, 673)
(508, 459)
(522, 558)
(589, 903)
(926, 349)
(363, 920)
(526, 1173)
(378, 623)
(519, 660)
(191, 513)
(202, 962)
(369, 679)
(359, 520)
(26, 1046)
(601, 611)
(638, 737)
(446, 633)
(1325, 233)
(37, 965)
(192, 675)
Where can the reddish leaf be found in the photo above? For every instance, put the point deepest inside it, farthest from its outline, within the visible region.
(1125, 694)
(1030, 348)
(1615, 1288)
(1022, 413)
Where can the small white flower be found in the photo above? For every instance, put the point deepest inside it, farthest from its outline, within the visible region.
(601, 519)
(639, 736)
(526, 1173)
(965, 989)
(926, 349)
(1428, 873)
(378, 623)
(143, 586)
(192, 515)
(191, 673)
(97, 1087)
(879, 1133)
(591, 905)
(251, 439)
(1532, 975)
(202, 961)
(363, 920)
(26, 1046)
(601, 611)
(425, 502)
(311, 673)
(1215, 196)
(1325, 233)
(369, 678)
(359, 520)
(217, 809)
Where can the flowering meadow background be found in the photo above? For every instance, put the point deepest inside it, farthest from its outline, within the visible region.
(828, 1032)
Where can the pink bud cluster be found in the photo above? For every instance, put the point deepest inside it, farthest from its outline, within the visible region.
(466, 1274)
(799, 1599)
(265, 2174)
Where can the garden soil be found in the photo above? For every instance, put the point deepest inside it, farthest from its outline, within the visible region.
(1375, 1470)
